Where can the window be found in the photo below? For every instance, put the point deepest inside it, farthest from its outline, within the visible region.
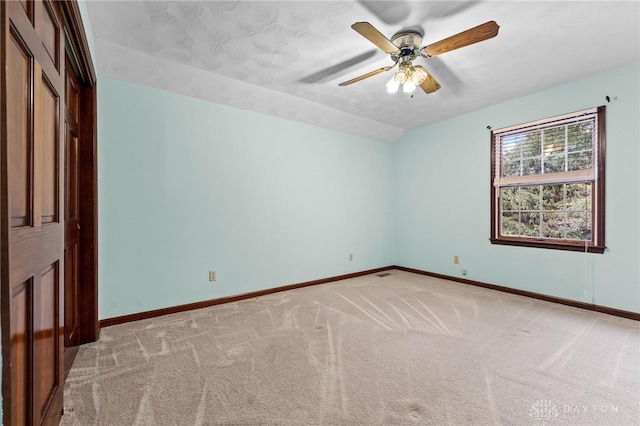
(548, 183)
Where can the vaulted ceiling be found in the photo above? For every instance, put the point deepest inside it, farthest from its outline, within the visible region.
(286, 58)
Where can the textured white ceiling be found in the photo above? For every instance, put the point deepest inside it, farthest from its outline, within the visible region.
(286, 58)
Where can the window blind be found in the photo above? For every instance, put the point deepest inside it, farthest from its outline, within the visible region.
(560, 150)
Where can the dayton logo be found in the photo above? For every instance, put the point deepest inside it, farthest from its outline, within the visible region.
(544, 411)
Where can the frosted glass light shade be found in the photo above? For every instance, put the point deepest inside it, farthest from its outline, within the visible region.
(409, 86)
(418, 75)
(392, 85)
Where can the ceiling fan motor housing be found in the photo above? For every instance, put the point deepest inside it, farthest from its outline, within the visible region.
(408, 43)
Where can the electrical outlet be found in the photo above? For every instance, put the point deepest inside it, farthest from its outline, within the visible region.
(464, 272)
(212, 275)
(456, 259)
(350, 257)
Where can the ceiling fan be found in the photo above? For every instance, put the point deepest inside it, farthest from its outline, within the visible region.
(405, 46)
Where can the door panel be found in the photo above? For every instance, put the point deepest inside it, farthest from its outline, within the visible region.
(72, 89)
(71, 177)
(20, 350)
(47, 29)
(19, 149)
(46, 355)
(47, 165)
(71, 296)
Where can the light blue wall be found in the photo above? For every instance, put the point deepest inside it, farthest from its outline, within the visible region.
(442, 198)
(186, 186)
(84, 13)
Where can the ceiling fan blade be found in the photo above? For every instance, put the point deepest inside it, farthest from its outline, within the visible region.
(429, 85)
(363, 76)
(369, 32)
(465, 38)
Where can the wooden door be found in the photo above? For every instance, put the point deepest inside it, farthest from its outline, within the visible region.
(33, 40)
(71, 212)
(48, 204)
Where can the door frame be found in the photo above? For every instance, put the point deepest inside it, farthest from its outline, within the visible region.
(76, 43)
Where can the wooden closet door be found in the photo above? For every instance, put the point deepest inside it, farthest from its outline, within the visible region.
(71, 213)
(34, 68)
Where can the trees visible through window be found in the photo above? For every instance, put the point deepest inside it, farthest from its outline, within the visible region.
(548, 183)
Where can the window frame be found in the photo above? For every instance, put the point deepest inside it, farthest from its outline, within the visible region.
(597, 242)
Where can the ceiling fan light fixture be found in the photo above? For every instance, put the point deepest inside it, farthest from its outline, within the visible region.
(408, 77)
(393, 85)
(418, 75)
(401, 76)
(409, 86)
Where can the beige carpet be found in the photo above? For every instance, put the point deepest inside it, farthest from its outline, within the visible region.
(402, 349)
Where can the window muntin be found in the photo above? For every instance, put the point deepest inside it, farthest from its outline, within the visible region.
(548, 183)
